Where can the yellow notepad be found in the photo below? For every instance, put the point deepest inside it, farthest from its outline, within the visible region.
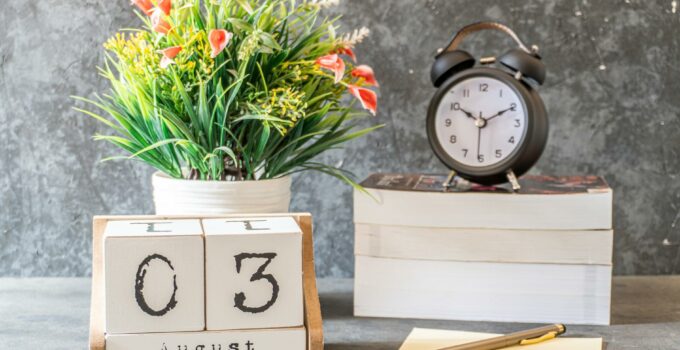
(433, 339)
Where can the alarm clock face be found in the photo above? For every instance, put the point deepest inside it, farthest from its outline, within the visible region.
(480, 121)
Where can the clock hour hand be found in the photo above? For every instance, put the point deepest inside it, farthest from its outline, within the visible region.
(468, 114)
(499, 114)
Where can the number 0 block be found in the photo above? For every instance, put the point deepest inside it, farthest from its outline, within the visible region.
(253, 273)
(154, 280)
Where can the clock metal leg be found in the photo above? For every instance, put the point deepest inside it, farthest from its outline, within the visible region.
(450, 180)
(513, 181)
(518, 75)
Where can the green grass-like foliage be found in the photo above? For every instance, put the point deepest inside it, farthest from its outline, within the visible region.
(260, 109)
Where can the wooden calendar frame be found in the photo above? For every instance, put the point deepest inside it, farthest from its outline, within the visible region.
(312, 308)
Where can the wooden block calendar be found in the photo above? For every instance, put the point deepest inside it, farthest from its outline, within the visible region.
(145, 261)
(237, 255)
(234, 282)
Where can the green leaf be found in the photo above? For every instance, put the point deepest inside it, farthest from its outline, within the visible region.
(228, 151)
(261, 117)
(268, 41)
(264, 137)
(240, 26)
(245, 4)
(100, 118)
(156, 145)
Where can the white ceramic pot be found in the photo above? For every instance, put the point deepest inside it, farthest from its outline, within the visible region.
(195, 197)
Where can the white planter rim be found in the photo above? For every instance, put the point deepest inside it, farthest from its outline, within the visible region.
(167, 178)
(183, 196)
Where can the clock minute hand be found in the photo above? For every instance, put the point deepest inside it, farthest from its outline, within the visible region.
(498, 114)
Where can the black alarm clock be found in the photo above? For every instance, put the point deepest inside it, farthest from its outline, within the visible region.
(486, 121)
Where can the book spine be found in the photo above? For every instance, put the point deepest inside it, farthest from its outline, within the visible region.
(480, 291)
(479, 210)
(593, 247)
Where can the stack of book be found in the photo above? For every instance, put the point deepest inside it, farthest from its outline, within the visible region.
(425, 250)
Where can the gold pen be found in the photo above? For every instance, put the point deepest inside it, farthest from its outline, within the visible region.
(528, 337)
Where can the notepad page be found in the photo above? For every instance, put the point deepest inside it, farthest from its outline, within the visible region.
(433, 339)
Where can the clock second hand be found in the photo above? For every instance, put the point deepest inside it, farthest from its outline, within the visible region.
(479, 141)
(480, 123)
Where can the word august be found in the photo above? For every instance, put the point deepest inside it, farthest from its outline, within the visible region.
(248, 345)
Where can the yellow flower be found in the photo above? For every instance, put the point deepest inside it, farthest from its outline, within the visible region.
(286, 104)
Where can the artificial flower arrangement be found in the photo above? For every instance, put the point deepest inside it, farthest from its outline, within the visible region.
(234, 89)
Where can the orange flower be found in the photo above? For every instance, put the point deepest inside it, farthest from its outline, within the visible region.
(171, 52)
(365, 72)
(168, 55)
(219, 38)
(349, 52)
(165, 6)
(145, 5)
(333, 63)
(158, 23)
(368, 98)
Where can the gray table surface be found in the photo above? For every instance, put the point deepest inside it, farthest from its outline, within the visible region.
(53, 313)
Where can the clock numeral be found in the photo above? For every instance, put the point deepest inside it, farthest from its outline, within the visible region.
(453, 139)
(447, 122)
(517, 124)
(465, 152)
(455, 106)
(483, 87)
(499, 153)
(513, 107)
(512, 139)
(480, 158)
(466, 93)
(501, 92)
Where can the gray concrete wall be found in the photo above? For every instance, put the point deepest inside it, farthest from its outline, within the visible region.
(612, 93)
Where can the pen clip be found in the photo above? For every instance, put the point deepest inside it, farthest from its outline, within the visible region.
(544, 337)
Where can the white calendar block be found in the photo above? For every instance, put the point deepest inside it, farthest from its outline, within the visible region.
(255, 339)
(154, 276)
(253, 273)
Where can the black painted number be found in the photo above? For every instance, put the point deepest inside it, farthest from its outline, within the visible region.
(517, 123)
(240, 298)
(480, 158)
(447, 122)
(512, 139)
(483, 87)
(499, 153)
(513, 106)
(139, 286)
(465, 152)
(466, 93)
(455, 106)
(452, 139)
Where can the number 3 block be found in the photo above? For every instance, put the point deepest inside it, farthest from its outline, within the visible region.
(253, 273)
(154, 279)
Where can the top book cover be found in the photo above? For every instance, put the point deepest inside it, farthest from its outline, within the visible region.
(531, 184)
(544, 202)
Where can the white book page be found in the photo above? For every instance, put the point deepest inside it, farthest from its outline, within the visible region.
(433, 339)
